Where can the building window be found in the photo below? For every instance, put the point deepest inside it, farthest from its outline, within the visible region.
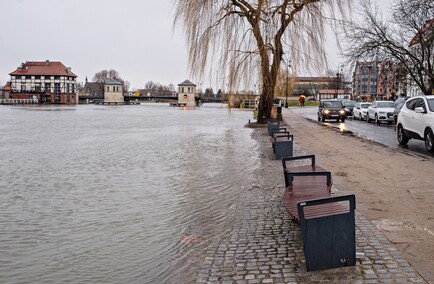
(57, 98)
(47, 87)
(73, 89)
(108, 89)
(23, 88)
(57, 88)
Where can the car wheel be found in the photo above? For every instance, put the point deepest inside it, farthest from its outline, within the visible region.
(367, 118)
(343, 119)
(360, 117)
(429, 140)
(322, 118)
(402, 138)
(319, 118)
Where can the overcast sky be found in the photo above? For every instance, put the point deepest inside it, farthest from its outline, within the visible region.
(134, 37)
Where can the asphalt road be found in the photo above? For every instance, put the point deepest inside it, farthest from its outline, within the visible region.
(384, 134)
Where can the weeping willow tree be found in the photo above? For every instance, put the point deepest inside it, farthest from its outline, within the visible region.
(248, 38)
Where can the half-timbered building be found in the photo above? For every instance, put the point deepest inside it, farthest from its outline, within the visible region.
(47, 81)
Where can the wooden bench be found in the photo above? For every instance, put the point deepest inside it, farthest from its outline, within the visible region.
(327, 222)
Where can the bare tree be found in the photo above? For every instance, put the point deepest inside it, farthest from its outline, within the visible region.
(151, 85)
(249, 36)
(110, 74)
(407, 38)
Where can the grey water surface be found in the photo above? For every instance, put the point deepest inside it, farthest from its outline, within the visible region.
(118, 194)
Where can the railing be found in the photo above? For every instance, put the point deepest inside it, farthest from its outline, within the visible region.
(248, 104)
(17, 101)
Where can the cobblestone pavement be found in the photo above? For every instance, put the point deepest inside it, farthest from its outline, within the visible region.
(265, 244)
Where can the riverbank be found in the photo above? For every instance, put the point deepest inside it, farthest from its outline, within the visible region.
(265, 245)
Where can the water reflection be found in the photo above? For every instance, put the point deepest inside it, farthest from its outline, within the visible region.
(126, 194)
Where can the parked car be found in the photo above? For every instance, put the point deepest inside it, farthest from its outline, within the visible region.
(380, 111)
(416, 120)
(360, 110)
(331, 109)
(400, 99)
(397, 110)
(349, 106)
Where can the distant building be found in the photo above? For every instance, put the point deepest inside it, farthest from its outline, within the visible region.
(415, 44)
(187, 94)
(374, 80)
(321, 87)
(44, 81)
(6, 90)
(113, 92)
(92, 92)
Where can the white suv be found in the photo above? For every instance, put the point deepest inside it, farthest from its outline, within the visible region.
(381, 111)
(360, 111)
(416, 120)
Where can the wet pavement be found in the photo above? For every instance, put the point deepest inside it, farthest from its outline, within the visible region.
(264, 245)
(383, 133)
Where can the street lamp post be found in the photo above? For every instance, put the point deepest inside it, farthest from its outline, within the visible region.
(338, 75)
(286, 90)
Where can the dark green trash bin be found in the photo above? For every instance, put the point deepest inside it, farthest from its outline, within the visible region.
(328, 232)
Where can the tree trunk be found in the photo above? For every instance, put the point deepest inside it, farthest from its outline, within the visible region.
(265, 103)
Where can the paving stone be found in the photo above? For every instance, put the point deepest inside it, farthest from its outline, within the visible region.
(265, 245)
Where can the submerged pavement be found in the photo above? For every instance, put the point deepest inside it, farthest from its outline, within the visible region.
(265, 244)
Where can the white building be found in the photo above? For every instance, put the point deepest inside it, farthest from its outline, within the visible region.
(113, 92)
(187, 94)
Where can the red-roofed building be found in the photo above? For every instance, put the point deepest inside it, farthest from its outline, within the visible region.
(44, 81)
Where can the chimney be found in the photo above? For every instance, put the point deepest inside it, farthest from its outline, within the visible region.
(47, 62)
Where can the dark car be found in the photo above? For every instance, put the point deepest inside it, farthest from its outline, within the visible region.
(397, 110)
(349, 106)
(331, 109)
(399, 102)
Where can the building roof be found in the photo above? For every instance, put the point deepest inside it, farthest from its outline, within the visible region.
(42, 68)
(93, 88)
(429, 25)
(112, 81)
(186, 83)
(7, 87)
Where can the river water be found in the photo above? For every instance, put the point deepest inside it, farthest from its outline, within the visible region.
(118, 194)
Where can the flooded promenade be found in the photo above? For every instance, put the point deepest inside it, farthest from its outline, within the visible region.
(125, 194)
